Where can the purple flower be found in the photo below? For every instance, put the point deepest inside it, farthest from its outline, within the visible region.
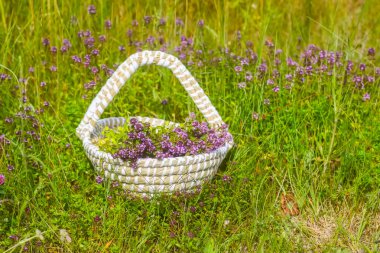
(263, 68)
(46, 103)
(358, 80)
(91, 9)
(162, 22)
(370, 79)
(269, 44)
(201, 23)
(164, 102)
(248, 76)
(76, 58)
(10, 167)
(238, 69)
(150, 40)
(276, 89)
(179, 22)
(278, 52)
(94, 70)
(349, 67)
(147, 19)
(63, 49)
(121, 48)
(97, 218)
(290, 62)
(95, 52)
(67, 43)
(371, 52)
(362, 66)
(31, 70)
(135, 23)
(377, 71)
(53, 68)
(53, 49)
(366, 97)
(99, 179)
(242, 85)
(289, 77)
(309, 70)
(45, 42)
(238, 35)
(2, 179)
(108, 24)
(102, 38)
(89, 42)
(270, 82)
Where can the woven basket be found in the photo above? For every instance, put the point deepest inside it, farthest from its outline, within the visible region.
(152, 175)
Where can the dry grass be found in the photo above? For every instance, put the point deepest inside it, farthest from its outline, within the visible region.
(358, 230)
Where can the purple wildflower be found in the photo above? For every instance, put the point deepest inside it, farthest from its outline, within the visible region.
(2, 179)
(91, 9)
(94, 70)
(290, 62)
(276, 89)
(89, 42)
(53, 68)
(53, 49)
(97, 218)
(278, 52)
(10, 167)
(366, 97)
(63, 49)
(179, 22)
(121, 48)
(270, 82)
(67, 43)
(45, 42)
(371, 52)
(370, 79)
(99, 179)
(201, 23)
(102, 38)
(108, 24)
(289, 77)
(255, 116)
(242, 85)
(162, 21)
(95, 52)
(362, 66)
(238, 69)
(76, 58)
(263, 68)
(349, 67)
(248, 76)
(377, 71)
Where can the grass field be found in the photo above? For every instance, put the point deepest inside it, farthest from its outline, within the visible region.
(298, 83)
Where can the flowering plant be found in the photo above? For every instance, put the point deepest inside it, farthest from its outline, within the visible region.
(141, 140)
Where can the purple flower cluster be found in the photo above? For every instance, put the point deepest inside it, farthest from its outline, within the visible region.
(194, 138)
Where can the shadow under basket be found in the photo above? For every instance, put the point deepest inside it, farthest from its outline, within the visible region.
(152, 175)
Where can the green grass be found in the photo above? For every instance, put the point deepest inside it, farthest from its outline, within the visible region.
(316, 146)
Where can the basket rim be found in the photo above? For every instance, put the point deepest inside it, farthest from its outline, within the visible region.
(95, 153)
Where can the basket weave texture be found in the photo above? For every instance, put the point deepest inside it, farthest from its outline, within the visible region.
(152, 175)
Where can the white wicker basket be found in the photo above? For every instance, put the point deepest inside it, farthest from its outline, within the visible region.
(152, 175)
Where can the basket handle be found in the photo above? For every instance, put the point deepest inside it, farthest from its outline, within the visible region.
(124, 72)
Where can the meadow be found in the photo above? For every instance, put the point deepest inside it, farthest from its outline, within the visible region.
(298, 83)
